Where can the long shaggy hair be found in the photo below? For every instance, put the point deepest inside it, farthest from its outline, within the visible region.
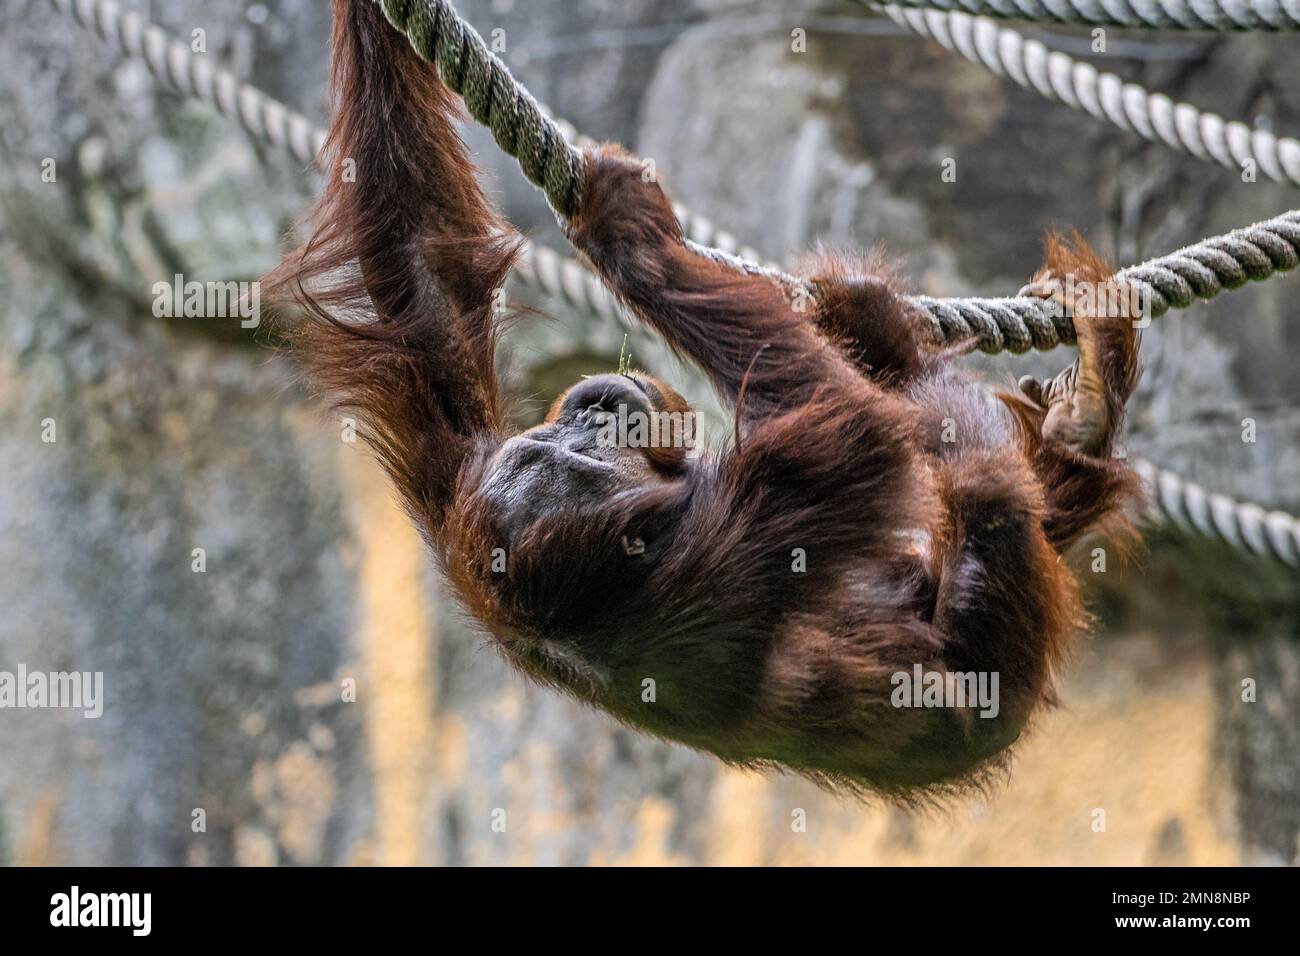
(877, 511)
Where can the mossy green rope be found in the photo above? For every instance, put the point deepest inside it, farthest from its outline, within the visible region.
(522, 129)
(493, 97)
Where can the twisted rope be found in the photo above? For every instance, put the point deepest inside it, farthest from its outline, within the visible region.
(178, 67)
(695, 227)
(523, 129)
(1242, 525)
(1199, 271)
(1223, 15)
(1245, 526)
(1063, 79)
(493, 97)
(272, 122)
(544, 269)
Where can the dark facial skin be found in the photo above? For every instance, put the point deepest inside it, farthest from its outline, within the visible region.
(565, 459)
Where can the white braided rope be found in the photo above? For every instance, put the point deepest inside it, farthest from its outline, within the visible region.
(272, 122)
(1245, 526)
(177, 66)
(1224, 15)
(1016, 324)
(552, 274)
(1063, 79)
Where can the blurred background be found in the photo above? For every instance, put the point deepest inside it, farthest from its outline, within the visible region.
(225, 690)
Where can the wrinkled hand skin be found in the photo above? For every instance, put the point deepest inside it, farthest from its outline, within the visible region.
(1080, 401)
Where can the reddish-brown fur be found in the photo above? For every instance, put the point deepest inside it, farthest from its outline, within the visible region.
(1086, 492)
(919, 550)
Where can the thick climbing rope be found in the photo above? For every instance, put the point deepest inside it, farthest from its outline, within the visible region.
(695, 227)
(1243, 525)
(523, 129)
(1063, 79)
(1224, 15)
(493, 97)
(272, 122)
(177, 66)
(1199, 271)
